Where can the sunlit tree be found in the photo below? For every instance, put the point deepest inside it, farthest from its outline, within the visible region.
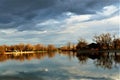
(51, 47)
(20, 47)
(37, 47)
(2, 49)
(29, 47)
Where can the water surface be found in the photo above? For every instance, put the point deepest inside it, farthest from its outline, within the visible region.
(60, 66)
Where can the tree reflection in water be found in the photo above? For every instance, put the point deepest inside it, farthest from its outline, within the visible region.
(70, 54)
(28, 56)
(101, 59)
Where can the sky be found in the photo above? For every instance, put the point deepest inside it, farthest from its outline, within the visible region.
(56, 21)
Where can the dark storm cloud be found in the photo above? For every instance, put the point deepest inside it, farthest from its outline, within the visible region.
(24, 14)
(20, 12)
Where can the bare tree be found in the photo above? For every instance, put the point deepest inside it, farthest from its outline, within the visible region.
(116, 43)
(20, 47)
(51, 47)
(29, 47)
(2, 49)
(81, 44)
(104, 40)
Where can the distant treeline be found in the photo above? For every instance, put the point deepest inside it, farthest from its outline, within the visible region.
(104, 41)
(26, 47)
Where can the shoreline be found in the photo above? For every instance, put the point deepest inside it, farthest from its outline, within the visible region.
(24, 52)
(79, 51)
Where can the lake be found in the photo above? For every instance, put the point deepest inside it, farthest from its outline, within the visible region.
(60, 66)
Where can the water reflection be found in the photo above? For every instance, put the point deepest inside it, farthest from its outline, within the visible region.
(60, 66)
(101, 59)
(70, 54)
(28, 56)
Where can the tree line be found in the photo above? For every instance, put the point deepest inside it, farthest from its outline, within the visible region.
(104, 41)
(26, 47)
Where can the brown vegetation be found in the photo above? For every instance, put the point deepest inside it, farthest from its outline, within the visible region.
(68, 47)
(104, 41)
(26, 47)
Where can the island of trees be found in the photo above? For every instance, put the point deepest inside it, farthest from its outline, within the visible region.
(104, 41)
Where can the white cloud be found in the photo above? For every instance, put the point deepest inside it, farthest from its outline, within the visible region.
(8, 31)
(12, 36)
(68, 13)
(70, 24)
(108, 10)
(48, 22)
(88, 29)
(34, 32)
(77, 18)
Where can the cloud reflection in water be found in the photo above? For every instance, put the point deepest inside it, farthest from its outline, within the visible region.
(60, 66)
